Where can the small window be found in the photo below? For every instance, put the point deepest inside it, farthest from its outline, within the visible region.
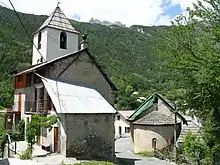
(154, 143)
(20, 78)
(39, 41)
(27, 120)
(127, 129)
(118, 117)
(44, 131)
(63, 40)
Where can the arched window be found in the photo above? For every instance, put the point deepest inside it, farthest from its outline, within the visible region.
(154, 143)
(63, 40)
(39, 40)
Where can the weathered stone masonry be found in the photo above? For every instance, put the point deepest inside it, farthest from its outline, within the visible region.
(89, 135)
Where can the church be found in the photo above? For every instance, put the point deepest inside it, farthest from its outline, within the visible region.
(65, 80)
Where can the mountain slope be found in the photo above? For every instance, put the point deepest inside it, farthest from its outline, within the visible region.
(125, 53)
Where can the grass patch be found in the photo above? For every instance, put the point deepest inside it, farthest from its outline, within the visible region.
(146, 154)
(95, 163)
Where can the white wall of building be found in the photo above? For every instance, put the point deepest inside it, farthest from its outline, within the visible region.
(54, 50)
(143, 136)
(50, 44)
(43, 50)
(123, 124)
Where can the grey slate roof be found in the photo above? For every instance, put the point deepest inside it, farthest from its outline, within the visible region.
(149, 103)
(192, 126)
(126, 113)
(58, 20)
(155, 118)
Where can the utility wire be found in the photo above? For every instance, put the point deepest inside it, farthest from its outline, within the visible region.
(25, 28)
(53, 39)
(4, 4)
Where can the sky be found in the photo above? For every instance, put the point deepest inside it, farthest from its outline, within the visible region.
(129, 12)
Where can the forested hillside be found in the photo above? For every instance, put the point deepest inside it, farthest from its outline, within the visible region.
(125, 53)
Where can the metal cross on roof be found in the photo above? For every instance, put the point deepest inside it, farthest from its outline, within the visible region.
(58, 2)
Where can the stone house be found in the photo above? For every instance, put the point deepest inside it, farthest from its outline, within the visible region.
(122, 126)
(152, 125)
(193, 126)
(67, 82)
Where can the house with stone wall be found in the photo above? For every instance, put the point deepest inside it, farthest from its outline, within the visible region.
(152, 125)
(68, 82)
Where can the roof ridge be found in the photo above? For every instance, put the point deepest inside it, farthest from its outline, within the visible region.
(144, 103)
(53, 13)
(57, 19)
(148, 103)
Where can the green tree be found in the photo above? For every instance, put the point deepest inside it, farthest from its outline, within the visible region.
(3, 141)
(18, 131)
(121, 51)
(195, 148)
(34, 126)
(191, 49)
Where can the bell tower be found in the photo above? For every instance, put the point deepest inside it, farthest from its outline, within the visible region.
(55, 38)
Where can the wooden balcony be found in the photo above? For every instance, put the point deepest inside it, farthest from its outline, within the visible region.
(37, 106)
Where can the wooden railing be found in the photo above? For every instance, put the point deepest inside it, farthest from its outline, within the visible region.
(36, 106)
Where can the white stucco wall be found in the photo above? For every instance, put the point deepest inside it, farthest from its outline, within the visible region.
(53, 50)
(143, 136)
(121, 123)
(43, 50)
(50, 44)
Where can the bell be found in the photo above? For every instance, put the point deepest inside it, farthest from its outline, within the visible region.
(9, 119)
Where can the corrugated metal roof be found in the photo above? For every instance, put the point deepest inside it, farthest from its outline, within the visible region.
(58, 20)
(70, 98)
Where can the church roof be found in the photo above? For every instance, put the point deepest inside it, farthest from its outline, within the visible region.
(155, 118)
(148, 104)
(77, 54)
(58, 20)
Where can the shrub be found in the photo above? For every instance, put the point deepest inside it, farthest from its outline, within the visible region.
(27, 154)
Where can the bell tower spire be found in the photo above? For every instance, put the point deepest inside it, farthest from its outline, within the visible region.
(56, 37)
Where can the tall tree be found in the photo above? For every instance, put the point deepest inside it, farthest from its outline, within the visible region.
(192, 49)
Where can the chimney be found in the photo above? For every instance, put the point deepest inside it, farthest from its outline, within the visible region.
(84, 42)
